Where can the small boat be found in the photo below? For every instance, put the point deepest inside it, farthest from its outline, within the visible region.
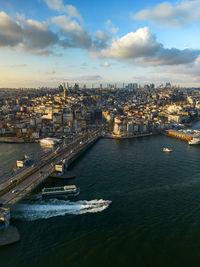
(194, 141)
(69, 190)
(165, 149)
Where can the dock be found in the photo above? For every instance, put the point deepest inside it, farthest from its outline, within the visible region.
(183, 135)
(9, 235)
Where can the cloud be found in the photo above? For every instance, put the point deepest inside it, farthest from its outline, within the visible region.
(110, 27)
(101, 39)
(59, 6)
(95, 53)
(91, 78)
(182, 13)
(50, 72)
(11, 32)
(20, 17)
(73, 33)
(140, 47)
(183, 74)
(101, 36)
(171, 56)
(29, 35)
(38, 36)
(21, 65)
(132, 45)
(105, 64)
(143, 47)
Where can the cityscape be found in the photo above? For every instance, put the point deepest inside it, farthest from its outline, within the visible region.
(28, 115)
(99, 133)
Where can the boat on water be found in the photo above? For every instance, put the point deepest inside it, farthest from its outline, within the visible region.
(165, 149)
(194, 141)
(69, 190)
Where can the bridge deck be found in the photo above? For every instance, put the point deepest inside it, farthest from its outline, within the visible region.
(11, 193)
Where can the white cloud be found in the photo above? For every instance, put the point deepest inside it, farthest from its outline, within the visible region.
(21, 65)
(106, 64)
(50, 72)
(182, 13)
(140, 47)
(59, 6)
(20, 17)
(91, 78)
(133, 45)
(143, 47)
(110, 27)
(95, 53)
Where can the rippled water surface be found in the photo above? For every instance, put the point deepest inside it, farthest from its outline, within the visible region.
(138, 207)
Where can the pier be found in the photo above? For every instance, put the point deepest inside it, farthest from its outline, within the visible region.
(17, 187)
(180, 135)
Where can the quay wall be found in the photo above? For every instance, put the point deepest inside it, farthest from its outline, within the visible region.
(179, 135)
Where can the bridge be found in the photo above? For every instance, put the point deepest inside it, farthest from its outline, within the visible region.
(21, 184)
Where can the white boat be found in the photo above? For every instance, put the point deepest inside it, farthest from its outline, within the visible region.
(50, 141)
(194, 141)
(69, 190)
(165, 149)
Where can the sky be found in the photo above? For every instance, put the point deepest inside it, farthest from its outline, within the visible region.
(46, 42)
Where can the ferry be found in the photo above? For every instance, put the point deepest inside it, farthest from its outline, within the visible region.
(165, 149)
(194, 141)
(69, 190)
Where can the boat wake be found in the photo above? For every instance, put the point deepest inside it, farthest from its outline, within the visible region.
(51, 208)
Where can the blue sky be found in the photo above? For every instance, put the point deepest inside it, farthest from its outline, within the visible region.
(45, 42)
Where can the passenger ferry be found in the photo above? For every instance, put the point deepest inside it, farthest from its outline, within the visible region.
(69, 190)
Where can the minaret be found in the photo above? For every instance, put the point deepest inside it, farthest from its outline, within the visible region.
(64, 93)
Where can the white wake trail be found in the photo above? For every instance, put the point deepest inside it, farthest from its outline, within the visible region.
(50, 208)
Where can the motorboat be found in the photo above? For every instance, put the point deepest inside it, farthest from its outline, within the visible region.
(165, 149)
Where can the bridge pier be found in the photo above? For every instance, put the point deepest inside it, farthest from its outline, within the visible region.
(9, 235)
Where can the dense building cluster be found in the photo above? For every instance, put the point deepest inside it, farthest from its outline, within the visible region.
(35, 113)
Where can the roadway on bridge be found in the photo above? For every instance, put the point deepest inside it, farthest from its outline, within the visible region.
(22, 188)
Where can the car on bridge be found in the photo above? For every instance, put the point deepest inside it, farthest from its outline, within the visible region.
(14, 191)
(12, 181)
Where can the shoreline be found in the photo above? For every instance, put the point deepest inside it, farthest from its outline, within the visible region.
(14, 140)
(130, 137)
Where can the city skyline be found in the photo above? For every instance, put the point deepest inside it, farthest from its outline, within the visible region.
(46, 42)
